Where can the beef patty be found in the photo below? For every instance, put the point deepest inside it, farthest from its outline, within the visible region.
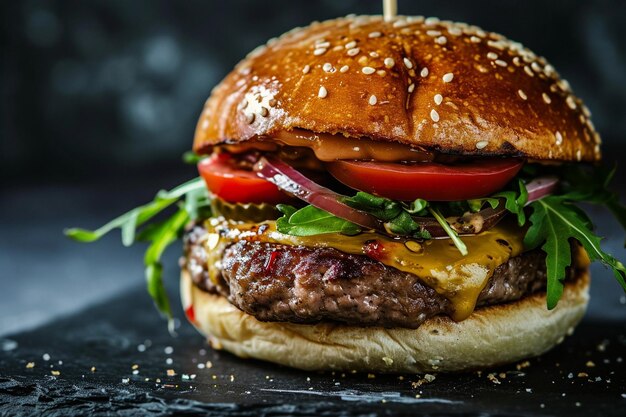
(276, 282)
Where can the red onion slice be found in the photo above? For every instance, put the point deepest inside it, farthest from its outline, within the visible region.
(540, 187)
(290, 180)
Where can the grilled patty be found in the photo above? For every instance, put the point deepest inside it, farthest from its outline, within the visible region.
(276, 282)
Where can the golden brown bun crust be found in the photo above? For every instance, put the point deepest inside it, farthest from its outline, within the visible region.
(501, 98)
(490, 336)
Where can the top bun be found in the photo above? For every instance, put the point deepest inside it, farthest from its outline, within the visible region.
(439, 85)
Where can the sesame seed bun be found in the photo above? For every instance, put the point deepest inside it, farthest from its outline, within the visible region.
(443, 86)
(491, 336)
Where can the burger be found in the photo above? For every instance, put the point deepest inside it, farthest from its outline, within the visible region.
(384, 195)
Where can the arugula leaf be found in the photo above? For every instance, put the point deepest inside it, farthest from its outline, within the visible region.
(192, 158)
(310, 221)
(161, 234)
(417, 207)
(515, 201)
(402, 224)
(554, 222)
(168, 232)
(286, 209)
(397, 217)
(381, 207)
(129, 221)
(477, 204)
(582, 185)
(197, 203)
(460, 245)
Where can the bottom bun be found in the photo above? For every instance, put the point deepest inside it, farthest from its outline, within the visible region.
(491, 336)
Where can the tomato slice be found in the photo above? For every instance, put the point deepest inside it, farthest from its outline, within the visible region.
(236, 185)
(428, 180)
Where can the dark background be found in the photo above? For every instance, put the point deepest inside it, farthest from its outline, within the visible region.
(100, 98)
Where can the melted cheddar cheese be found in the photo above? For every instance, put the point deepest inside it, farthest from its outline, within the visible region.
(437, 263)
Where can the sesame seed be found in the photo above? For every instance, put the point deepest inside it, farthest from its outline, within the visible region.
(433, 33)
(558, 138)
(322, 93)
(374, 35)
(407, 63)
(535, 66)
(431, 21)
(381, 72)
(546, 98)
(496, 44)
(438, 99)
(399, 23)
(389, 62)
(374, 54)
(434, 115)
(570, 102)
(368, 70)
(327, 67)
(322, 44)
(528, 71)
(250, 118)
(424, 72)
(319, 51)
(447, 77)
(475, 39)
(590, 124)
(264, 112)
(350, 45)
(579, 155)
(353, 51)
(455, 31)
(564, 85)
(482, 144)
(522, 95)
(501, 63)
(373, 100)
(344, 68)
(492, 55)
(441, 40)
(411, 88)
(306, 69)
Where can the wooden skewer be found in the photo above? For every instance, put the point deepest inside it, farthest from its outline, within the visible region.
(390, 9)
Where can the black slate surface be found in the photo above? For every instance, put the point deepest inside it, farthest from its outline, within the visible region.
(584, 376)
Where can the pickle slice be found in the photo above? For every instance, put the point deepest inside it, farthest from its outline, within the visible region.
(248, 212)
